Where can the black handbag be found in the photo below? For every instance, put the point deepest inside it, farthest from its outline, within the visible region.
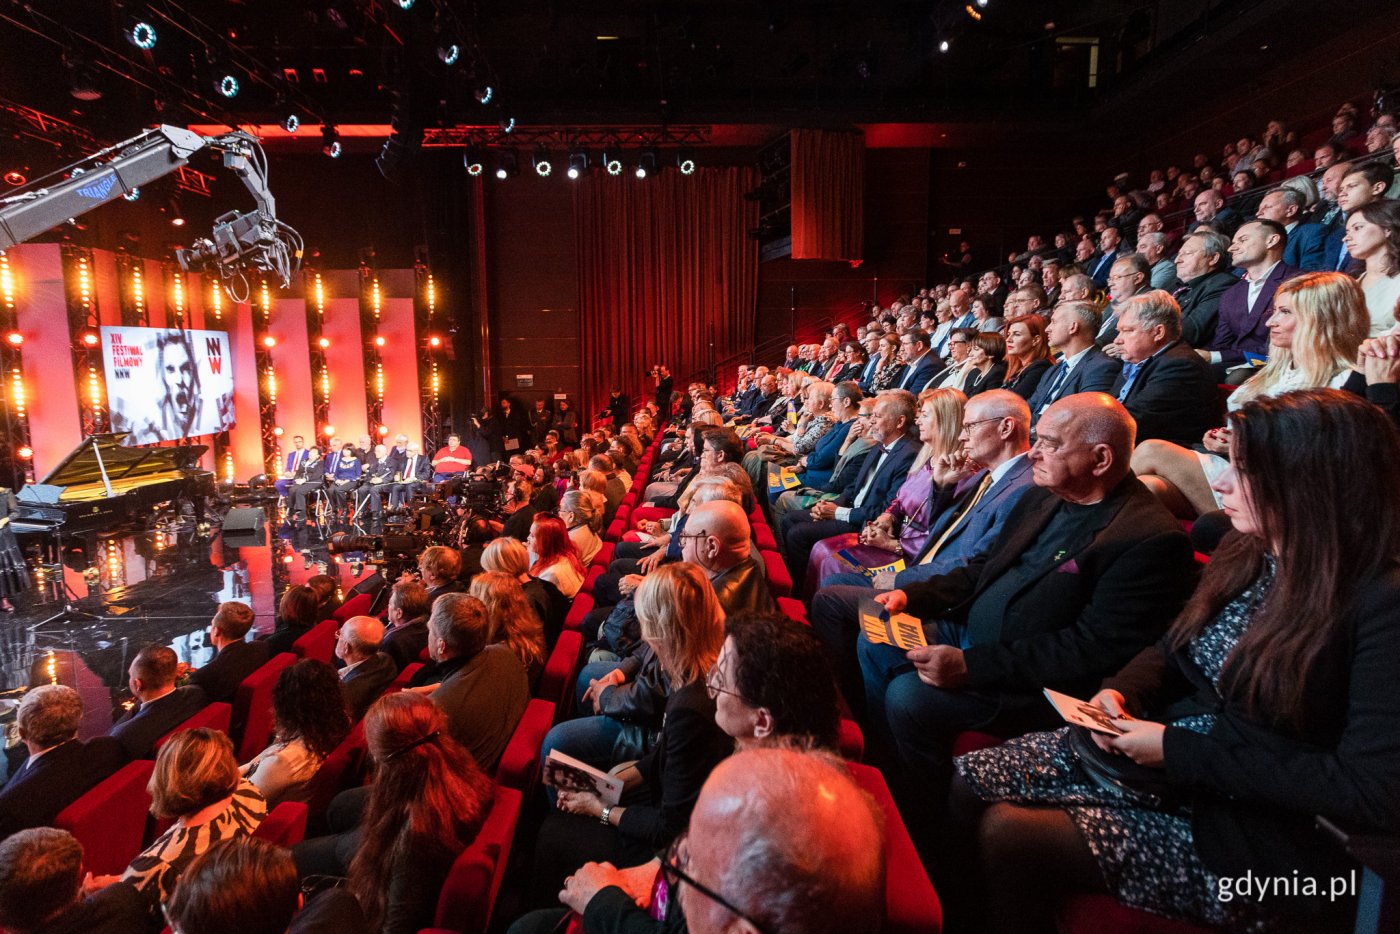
(1147, 786)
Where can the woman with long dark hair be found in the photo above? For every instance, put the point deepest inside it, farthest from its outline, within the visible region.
(310, 720)
(1271, 700)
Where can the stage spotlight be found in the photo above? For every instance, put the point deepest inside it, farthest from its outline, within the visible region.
(484, 94)
(142, 35)
(277, 431)
(383, 430)
(379, 342)
(324, 342)
(328, 431)
(14, 338)
(982, 3)
(685, 161)
(227, 85)
(15, 177)
(291, 123)
(269, 342)
(133, 195)
(543, 167)
(330, 141)
(578, 163)
(25, 453)
(507, 125)
(646, 163)
(90, 339)
(507, 164)
(435, 341)
(473, 162)
(405, 4)
(449, 53)
(943, 45)
(612, 163)
(177, 218)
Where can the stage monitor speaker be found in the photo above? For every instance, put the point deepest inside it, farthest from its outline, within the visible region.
(244, 520)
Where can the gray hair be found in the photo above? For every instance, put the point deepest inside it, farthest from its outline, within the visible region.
(1156, 238)
(848, 390)
(460, 621)
(50, 714)
(902, 402)
(1215, 243)
(1138, 262)
(1086, 312)
(588, 505)
(1077, 281)
(1304, 185)
(1292, 196)
(1156, 308)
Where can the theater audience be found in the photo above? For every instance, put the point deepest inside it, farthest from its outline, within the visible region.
(1027, 354)
(1373, 237)
(1257, 249)
(510, 557)
(297, 613)
(41, 889)
(426, 804)
(555, 558)
(369, 669)
(439, 568)
(1318, 320)
(1203, 265)
(1248, 711)
(1082, 367)
(512, 621)
(236, 658)
(59, 767)
(406, 637)
(1307, 242)
(1164, 385)
(159, 705)
(582, 513)
(986, 363)
(309, 721)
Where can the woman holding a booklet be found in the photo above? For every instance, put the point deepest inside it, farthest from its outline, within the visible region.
(1271, 701)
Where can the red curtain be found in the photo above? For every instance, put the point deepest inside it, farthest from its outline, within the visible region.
(828, 195)
(667, 274)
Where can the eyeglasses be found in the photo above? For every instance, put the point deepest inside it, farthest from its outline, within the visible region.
(684, 535)
(715, 688)
(968, 426)
(675, 875)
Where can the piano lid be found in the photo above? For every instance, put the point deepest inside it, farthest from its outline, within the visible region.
(121, 463)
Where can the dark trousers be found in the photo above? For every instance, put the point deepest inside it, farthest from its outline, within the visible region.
(800, 536)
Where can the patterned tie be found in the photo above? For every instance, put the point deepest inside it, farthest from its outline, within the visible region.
(1061, 374)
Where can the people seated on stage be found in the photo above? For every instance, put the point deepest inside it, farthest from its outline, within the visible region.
(369, 669)
(1318, 322)
(295, 458)
(891, 428)
(665, 781)
(1164, 384)
(159, 705)
(452, 460)
(513, 621)
(899, 533)
(1248, 713)
(59, 767)
(555, 558)
(483, 688)
(414, 471)
(1089, 570)
(397, 843)
(364, 450)
(309, 480)
(247, 885)
(297, 612)
(344, 478)
(236, 658)
(196, 784)
(309, 721)
(406, 637)
(582, 512)
(42, 892)
(376, 483)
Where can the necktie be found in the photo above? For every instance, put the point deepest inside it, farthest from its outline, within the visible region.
(870, 478)
(953, 526)
(1061, 374)
(408, 471)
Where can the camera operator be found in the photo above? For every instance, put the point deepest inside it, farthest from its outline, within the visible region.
(438, 568)
(519, 507)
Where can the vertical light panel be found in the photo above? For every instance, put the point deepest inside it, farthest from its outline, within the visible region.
(41, 309)
(399, 354)
(345, 358)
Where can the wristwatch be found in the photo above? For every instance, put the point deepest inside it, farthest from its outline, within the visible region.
(607, 812)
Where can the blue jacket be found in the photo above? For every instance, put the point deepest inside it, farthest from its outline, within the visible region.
(822, 461)
(975, 534)
(891, 472)
(1307, 248)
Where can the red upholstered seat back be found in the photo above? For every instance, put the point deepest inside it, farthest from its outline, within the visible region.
(252, 707)
(213, 717)
(557, 682)
(285, 825)
(357, 605)
(341, 770)
(318, 643)
(469, 894)
(520, 763)
(911, 904)
(110, 819)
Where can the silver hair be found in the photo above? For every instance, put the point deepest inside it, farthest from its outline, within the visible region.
(1086, 312)
(1215, 243)
(588, 505)
(1156, 308)
(1156, 238)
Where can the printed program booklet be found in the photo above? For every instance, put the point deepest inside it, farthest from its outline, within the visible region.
(1082, 713)
(565, 773)
(885, 628)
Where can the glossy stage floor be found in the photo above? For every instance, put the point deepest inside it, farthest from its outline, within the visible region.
(133, 588)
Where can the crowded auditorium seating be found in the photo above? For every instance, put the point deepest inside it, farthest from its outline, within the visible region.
(110, 819)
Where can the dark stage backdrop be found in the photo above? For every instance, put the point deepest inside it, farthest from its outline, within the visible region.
(667, 274)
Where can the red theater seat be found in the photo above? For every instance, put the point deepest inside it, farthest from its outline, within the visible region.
(648, 513)
(557, 682)
(850, 740)
(971, 741)
(581, 607)
(252, 707)
(911, 904)
(319, 643)
(469, 894)
(110, 819)
(357, 605)
(779, 580)
(401, 682)
(604, 556)
(285, 825)
(342, 769)
(213, 717)
(520, 763)
(793, 609)
(763, 537)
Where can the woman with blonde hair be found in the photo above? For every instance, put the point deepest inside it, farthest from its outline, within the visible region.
(902, 530)
(1318, 323)
(510, 557)
(683, 626)
(514, 622)
(196, 783)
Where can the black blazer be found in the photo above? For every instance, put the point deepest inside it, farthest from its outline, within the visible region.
(313, 473)
(1095, 372)
(1174, 396)
(1200, 306)
(1257, 788)
(1024, 383)
(225, 672)
(363, 684)
(36, 793)
(405, 642)
(142, 726)
(981, 382)
(891, 473)
(1110, 589)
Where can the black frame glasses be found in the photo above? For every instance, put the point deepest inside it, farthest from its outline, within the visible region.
(674, 875)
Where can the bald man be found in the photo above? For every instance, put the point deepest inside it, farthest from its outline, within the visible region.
(1090, 570)
(717, 537)
(368, 670)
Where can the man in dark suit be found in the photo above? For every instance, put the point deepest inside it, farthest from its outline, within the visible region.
(1211, 212)
(1089, 569)
(311, 476)
(1245, 308)
(1203, 266)
(41, 876)
(891, 428)
(161, 706)
(1110, 249)
(416, 470)
(717, 538)
(919, 363)
(236, 659)
(368, 670)
(407, 634)
(294, 460)
(59, 768)
(375, 483)
(1164, 384)
(1131, 275)
(1082, 367)
(1307, 243)
(619, 408)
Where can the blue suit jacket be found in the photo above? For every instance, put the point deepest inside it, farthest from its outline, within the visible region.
(892, 471)
(822, 461)
(923, 372)
(1099, 268)
(977, 532)
(291, 459)
(1307, 248)
(1095, 372)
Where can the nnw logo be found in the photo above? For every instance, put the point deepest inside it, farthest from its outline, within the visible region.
(214, 350)
(99, 190)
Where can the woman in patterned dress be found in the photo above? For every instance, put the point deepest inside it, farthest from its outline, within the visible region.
(1271, 700)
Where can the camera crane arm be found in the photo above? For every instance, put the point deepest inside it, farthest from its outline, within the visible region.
(238, 242)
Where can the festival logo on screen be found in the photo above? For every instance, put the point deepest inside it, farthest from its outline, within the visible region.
(167, 385)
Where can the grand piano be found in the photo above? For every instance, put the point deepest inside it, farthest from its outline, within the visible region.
(102, 484)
